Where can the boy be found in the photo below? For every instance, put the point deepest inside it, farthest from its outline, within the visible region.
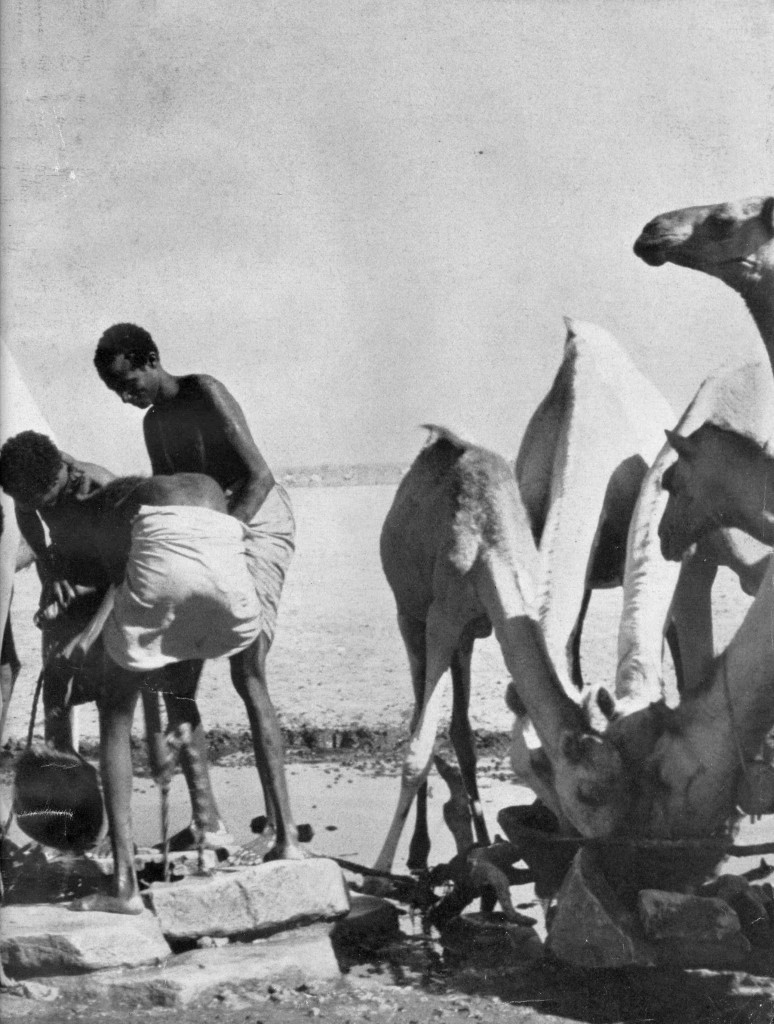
(50, 487)
(194, 425)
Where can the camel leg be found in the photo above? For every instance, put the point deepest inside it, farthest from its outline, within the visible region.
(672, 637)
(691, 613)
(574, 642)
(413, 633)
(462, 735)
(248, 674)
(116, 710)
(442, 640)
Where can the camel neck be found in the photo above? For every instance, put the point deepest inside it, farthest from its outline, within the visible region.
(760, 302)
(753, 488)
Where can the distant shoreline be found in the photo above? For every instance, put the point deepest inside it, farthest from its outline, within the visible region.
(342, 475)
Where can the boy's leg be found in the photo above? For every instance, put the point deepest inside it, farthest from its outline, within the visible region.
(186, 732)
(116, 710)
(248, 674)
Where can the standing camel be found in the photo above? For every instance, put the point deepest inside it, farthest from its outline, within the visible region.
(458, 553)
(731, 241)
(579, 469)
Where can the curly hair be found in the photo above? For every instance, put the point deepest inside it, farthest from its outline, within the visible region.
(124, 340)
(29, 464)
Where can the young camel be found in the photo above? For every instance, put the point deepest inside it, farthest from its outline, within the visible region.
(720, 478)
(458, 553)
(731, 241)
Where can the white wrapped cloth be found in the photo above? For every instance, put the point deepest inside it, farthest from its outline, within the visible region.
(199, 583)
(187, 592)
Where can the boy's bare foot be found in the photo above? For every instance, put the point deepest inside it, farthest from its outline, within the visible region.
(109, 904)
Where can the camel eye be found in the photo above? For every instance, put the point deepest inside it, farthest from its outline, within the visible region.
(720, 225)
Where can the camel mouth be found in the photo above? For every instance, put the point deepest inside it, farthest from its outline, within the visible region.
(651, 252)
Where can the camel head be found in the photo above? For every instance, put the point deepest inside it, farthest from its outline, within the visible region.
(732, 241)
(696, 484)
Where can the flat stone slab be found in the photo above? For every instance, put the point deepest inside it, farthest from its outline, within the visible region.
(590, 927)
(250, 901)
(693, 931)
(289, 958)
(371, 922)
(41, 939)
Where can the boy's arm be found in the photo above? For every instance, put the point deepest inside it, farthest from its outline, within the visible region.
(31, 528)
(160, 464)
(259, 479)
(93, 475)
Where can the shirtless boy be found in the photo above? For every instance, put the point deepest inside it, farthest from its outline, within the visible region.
(72, 584)
(49, 487)
(194, 425)
(185, 554)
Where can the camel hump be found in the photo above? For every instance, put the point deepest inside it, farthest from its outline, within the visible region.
(738, 397)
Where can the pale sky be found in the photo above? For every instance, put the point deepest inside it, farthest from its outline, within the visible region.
(364, 216)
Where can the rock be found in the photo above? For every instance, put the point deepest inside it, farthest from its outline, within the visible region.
(255, 900)
(294, 958)
(370, 922)
(692, 931)
(490, 939)
(42, 940)
(591, 928)
(753, 905)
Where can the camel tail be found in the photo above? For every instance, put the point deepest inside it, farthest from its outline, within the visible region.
(439, 433)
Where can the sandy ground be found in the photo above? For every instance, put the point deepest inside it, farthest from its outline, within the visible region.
(338, 662)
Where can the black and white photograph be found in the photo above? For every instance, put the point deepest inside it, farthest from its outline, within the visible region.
(386, 511)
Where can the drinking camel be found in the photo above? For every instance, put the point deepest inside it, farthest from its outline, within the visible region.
(459, 555)
(731, 241)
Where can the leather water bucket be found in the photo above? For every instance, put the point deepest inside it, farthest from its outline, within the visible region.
(57, 799)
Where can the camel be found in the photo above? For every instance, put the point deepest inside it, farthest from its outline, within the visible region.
(18, 411)
(720, 477)
(587, 447)
(586, 450)
(458, 553)
(656, 589)
(731, 241)
(685, 767)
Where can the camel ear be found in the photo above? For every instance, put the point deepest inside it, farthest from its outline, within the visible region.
(681, 444)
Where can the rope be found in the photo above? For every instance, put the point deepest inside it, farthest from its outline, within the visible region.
(35, 700)
(164, 787)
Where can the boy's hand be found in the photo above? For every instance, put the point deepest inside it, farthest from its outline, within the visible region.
(55, 597)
